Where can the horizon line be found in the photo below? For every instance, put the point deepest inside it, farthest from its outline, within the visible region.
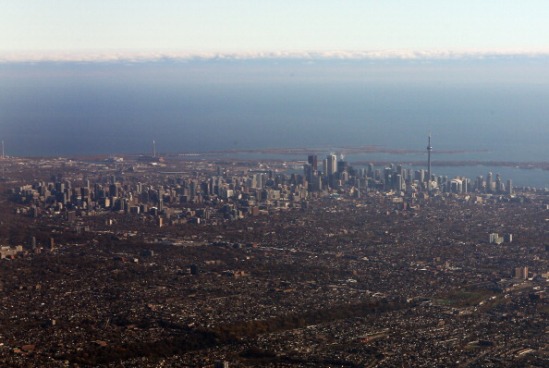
(366, 55)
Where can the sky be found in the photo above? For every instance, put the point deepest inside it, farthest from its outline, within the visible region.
(44, 27)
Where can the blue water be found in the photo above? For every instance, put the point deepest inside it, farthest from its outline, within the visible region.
(520, 177)
(492, 110)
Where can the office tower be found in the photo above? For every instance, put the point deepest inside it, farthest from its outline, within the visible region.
(377, 174)
(521, 273)
(313, 161)
(205, 187)
(371, 170)
(420, 175)
(398, 182)
(3, 153)
(489, 182)
(408, 175)
(154, 148)
(331, 164)
(400, 170)
(308, 171)
(499, 184)
(120, 204)
(479, 183)
(342, 166)
(318, 183)
(258, 181)
(113, 190)
(509, 187)
(429, 149)
(192, 189)
(387, 178)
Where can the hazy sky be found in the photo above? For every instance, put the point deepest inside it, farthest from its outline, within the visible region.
(265, 25)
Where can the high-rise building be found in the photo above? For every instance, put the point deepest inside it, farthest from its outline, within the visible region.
(313, 161)
(521, 273)
(420, 175)
(489, 182)
(479, 183)
(398, 182)
(331, 164)
(456, 186)
(308, 171)
(371, 170)
(495, 238)
(342, 166)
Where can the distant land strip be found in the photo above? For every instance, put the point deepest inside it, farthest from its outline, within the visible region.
(518, 165)
(337, 150)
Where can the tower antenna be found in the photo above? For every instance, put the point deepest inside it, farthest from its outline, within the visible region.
(429, 149)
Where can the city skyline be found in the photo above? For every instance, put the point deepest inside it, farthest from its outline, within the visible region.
(246, 183)
(226, 261)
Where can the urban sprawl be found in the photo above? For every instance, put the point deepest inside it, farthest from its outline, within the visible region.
(185, 261)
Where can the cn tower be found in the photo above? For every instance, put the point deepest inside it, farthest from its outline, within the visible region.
(429, 149)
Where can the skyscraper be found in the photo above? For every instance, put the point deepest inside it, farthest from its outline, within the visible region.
(489, 182)
(331, 164)
(371, 169)
(313, 161)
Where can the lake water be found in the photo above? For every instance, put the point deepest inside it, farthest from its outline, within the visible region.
(488, 110)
